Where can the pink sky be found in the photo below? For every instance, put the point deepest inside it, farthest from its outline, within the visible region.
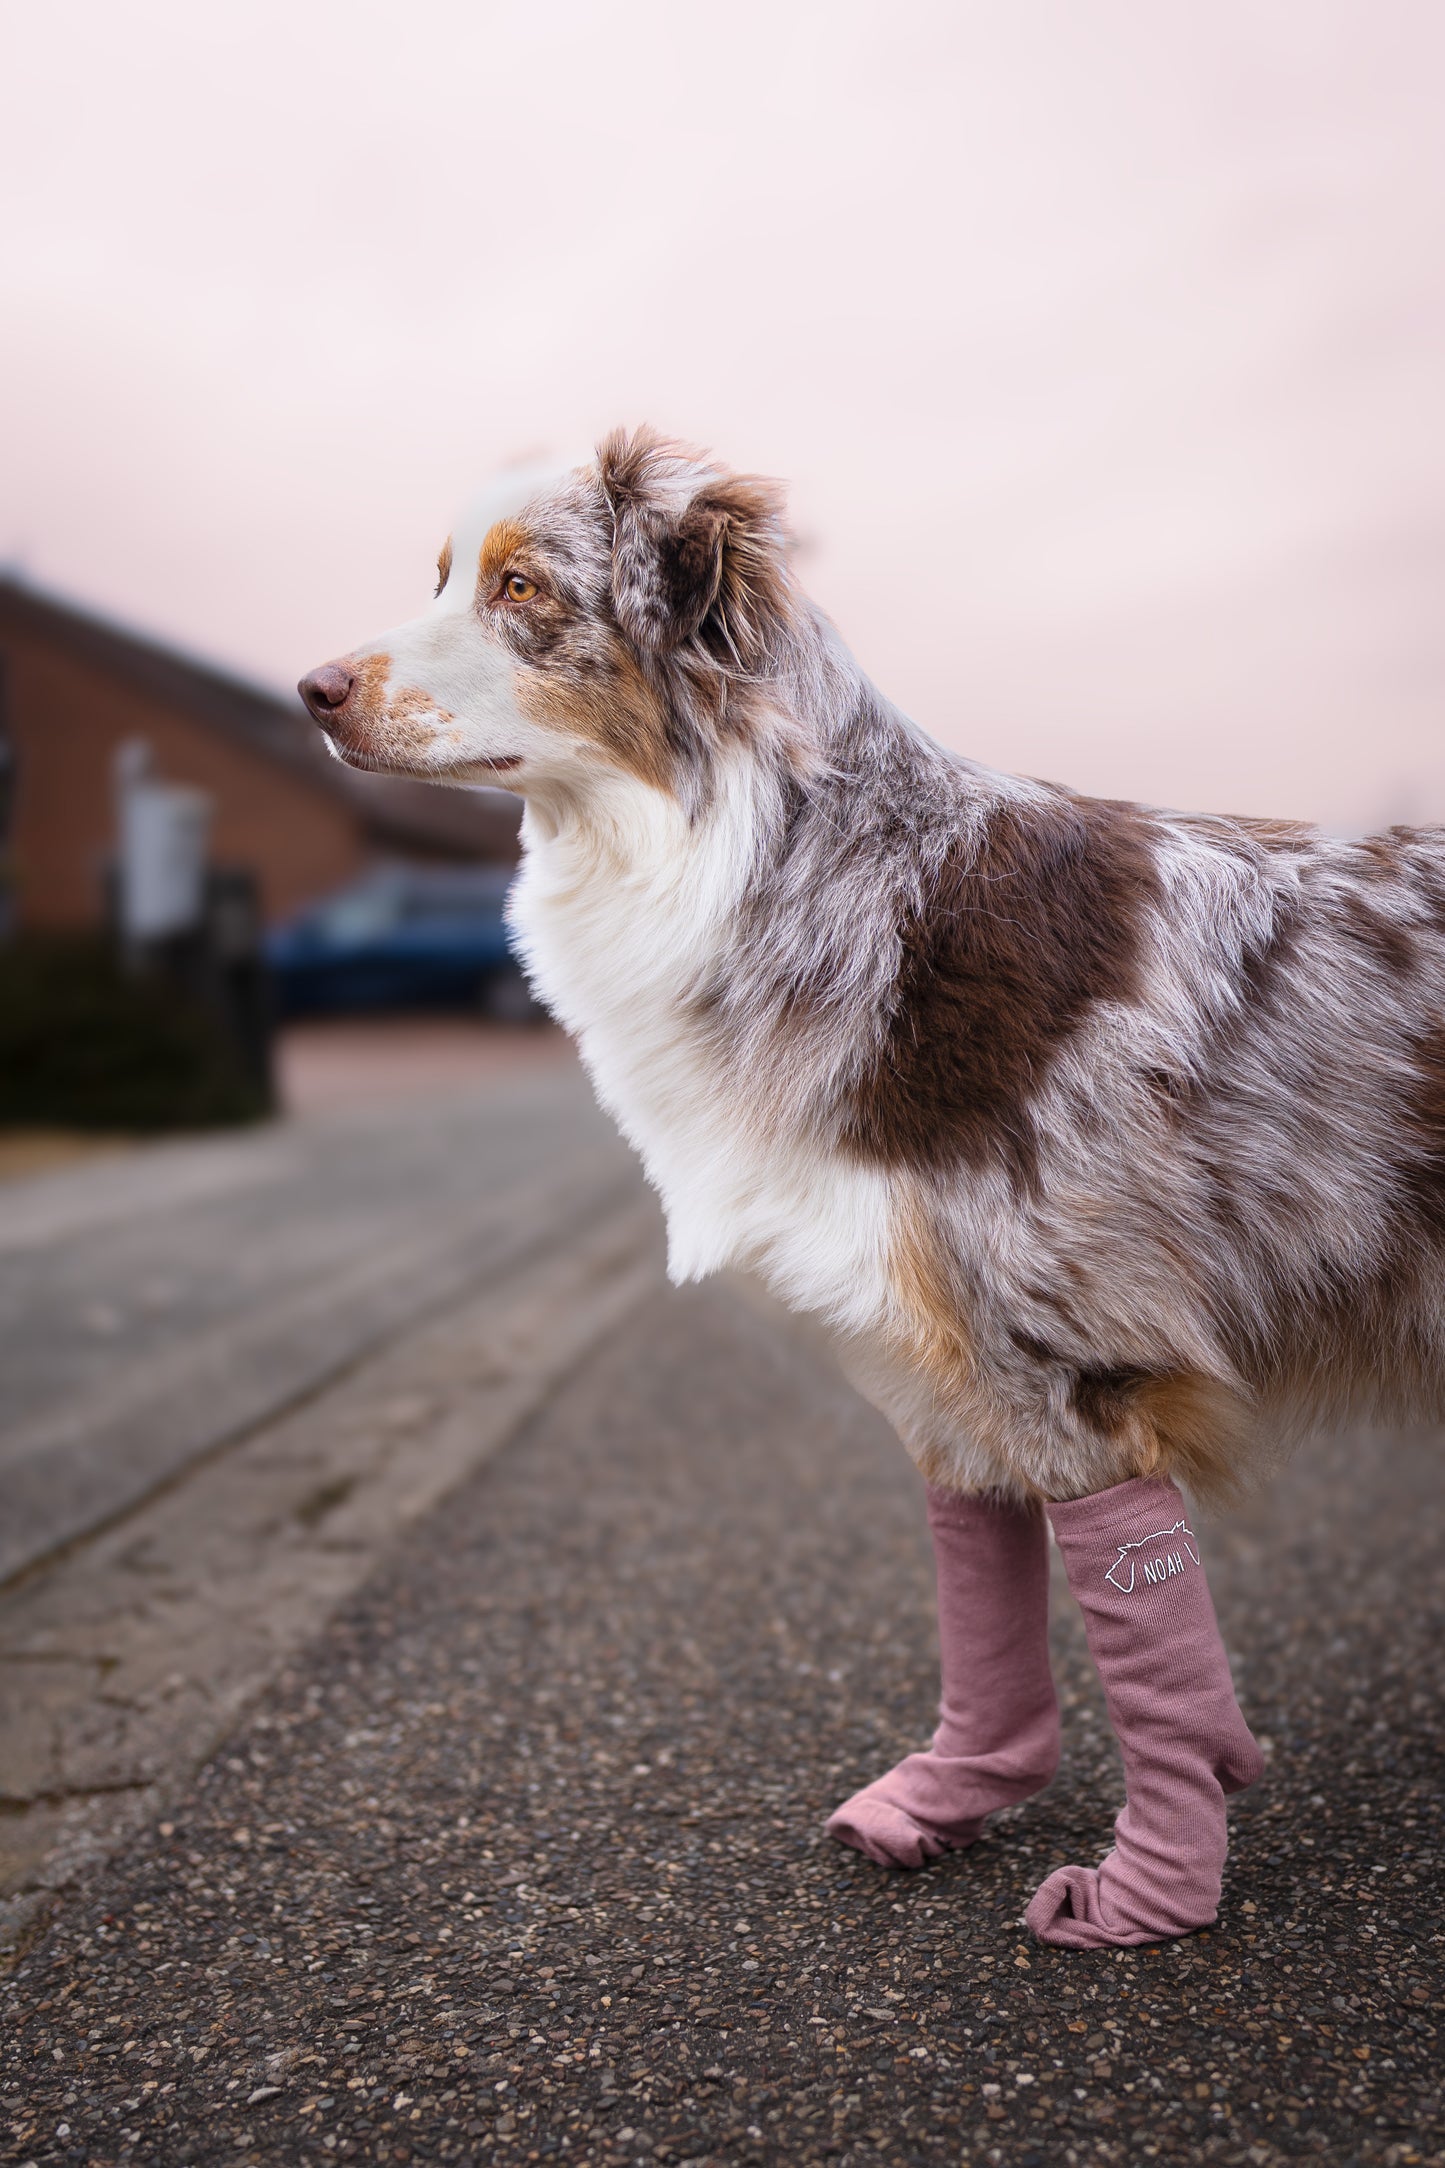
(1104, 347)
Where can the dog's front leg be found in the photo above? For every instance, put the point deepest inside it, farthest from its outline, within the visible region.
(998, 1733)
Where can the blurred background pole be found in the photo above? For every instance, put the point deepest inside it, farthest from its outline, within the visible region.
(236, 982)
(200, 925)
(8, 761)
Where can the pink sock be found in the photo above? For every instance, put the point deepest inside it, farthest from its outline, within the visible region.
(998, 1735)
(1133, 1562)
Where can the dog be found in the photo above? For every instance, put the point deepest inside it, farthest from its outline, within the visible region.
(1109, 1141)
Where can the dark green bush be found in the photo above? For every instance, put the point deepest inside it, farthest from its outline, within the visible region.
(85, 1044)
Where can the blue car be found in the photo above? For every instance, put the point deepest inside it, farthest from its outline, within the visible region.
(403, 937)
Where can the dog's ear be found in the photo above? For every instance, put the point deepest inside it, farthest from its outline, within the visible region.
(666, 570)
(695, 551)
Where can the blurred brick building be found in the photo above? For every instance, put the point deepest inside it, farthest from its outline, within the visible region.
(74, 689)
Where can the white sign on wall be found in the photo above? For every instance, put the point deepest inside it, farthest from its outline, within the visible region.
(164, 832)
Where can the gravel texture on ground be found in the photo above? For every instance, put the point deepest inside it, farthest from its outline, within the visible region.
(523, 1861)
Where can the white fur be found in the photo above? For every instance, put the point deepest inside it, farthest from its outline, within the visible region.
(619, 918)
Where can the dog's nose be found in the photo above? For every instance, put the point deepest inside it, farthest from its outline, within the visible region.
(326, 689)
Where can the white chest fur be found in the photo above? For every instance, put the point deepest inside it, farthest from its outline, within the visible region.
(620, 928)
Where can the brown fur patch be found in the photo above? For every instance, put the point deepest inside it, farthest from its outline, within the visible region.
(1176, 1423)
(930, 1332)
(500, 545)
(444, 565)
(1383, 856)
(1013, 946)
(1379, 936)
(1265, 966)
(389, 728)
(932, 1320)
(614, 706)
(366, 705)
(412, 710)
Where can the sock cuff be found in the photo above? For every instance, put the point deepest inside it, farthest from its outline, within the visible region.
(1124, 1506)
(972, 1509)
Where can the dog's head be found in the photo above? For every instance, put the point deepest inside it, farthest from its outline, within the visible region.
(608, 622)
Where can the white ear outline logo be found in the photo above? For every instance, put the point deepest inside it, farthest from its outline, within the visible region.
(1160, 1535)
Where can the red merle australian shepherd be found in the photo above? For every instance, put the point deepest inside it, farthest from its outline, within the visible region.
(1109, 1141)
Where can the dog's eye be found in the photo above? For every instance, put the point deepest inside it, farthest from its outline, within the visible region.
(519, 588)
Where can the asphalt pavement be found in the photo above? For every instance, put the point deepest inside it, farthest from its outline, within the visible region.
(519, 1857)
(157, 1305)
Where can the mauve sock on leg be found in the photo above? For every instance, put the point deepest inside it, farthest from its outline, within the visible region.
(998, 1734)
(1134, 1564)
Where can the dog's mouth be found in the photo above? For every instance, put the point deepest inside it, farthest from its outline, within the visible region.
(355, 756)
